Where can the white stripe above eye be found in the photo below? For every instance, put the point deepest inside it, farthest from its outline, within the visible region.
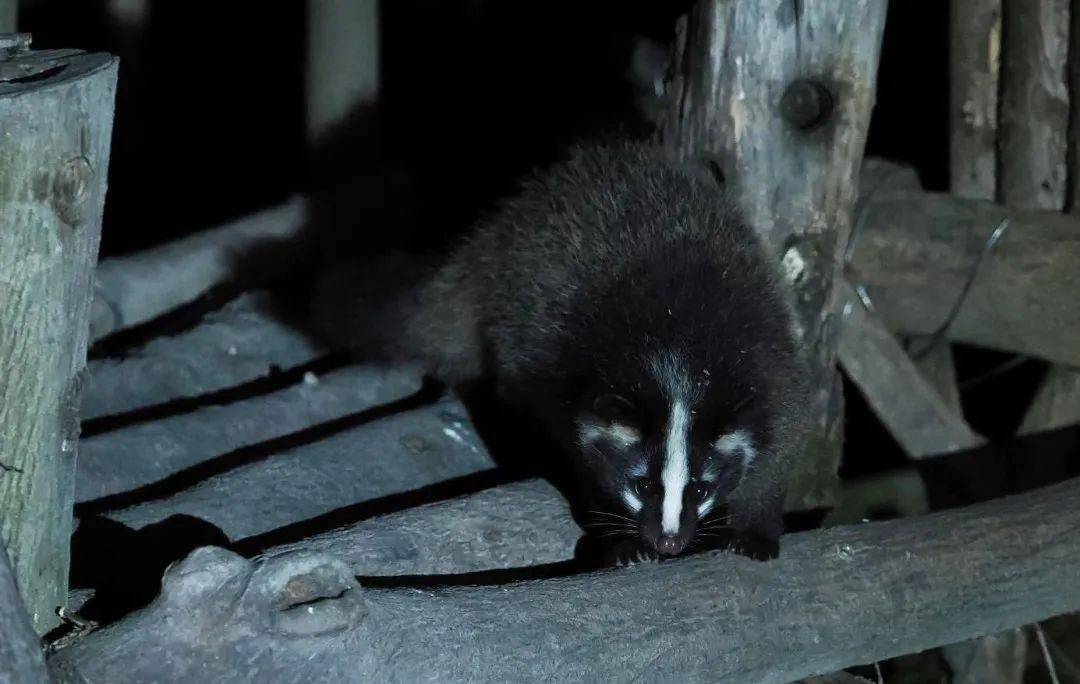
(631, 500)
(619, 433)
(706, 506)
(738, 443)
(675, 474)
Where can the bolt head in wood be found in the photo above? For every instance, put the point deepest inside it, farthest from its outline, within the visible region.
(806, 104)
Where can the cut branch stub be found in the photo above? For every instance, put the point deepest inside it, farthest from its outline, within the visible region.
(806, 104)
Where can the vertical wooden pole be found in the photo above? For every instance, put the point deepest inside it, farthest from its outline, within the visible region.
(1045, 140)
(54, 156)
(21, 657)
(781, 100)
(1034, 104)
(974, 66)
(9, 15)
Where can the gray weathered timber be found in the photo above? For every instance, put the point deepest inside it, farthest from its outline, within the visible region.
(974, 68)
(915, 413)
(386, 456)
(1034, 104)
(241, 342)
(916, 250)
(734, 66)
(1072, 156)
(342, 62)
(834, 598)
(136, 288)
(139, 455)
(54, 160)
(514, 525)
(1056, 403)
(21, 657)
(938, 368)
(994, 659)
(9, 14)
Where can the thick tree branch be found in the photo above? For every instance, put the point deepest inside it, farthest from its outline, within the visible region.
(833, 599)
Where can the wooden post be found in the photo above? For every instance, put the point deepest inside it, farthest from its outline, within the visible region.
(781, 101)
(974, 62)
(1034, 104)
(9, 14)
(21, 657)
(54, 157)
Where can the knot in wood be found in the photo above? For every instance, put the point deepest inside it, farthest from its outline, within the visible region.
(72, 189)
(806, 104)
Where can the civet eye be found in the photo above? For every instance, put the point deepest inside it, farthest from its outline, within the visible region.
(699, 489)
(643, 486)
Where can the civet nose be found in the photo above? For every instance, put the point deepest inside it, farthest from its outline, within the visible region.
(670, 545)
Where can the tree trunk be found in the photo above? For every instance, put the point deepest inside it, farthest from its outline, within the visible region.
(1034, 104)
(781, 101)
(833, 599)
(54, 158)
(974, 65)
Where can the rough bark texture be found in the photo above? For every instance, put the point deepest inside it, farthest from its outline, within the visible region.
(833, 599)
(241, 342)
(328, 467)
(142, 454)
(1034, 104)
(915, 251)
(21, 657)
(735, 63)
(974, 64)
(137, 288)
(913, 410)
(54, 158)
(513, 526)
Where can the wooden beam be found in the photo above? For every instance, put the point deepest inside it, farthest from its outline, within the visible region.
(915, 250)
(781, 101)
(1034, 104)
(833, 599)
(241, 342)
(252, 251)
(22, 660)
(54, 160)
(909, 406)
(974, 67)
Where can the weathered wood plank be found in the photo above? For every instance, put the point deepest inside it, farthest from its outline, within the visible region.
(241, 342)
(512, 526)
(1034, 103)
(910, 407)
(138, 287)
(915, 250)
(21, 658)
(54, 160)
(139, 455)
(313, 472)
(833, 599)
(974, 68)
(781, 101)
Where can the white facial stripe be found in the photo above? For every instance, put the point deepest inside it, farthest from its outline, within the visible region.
(676, 471)
(631, 501)
(639, 470)
(619, 433)
(738, 443)
(706, 506)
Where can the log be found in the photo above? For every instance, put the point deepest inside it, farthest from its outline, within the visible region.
(139, 455)
(912, 409)
(9, 13)
(833, 599)
(54, 159)
(1034, 104)
(136, 288)
(240, 343)
(974, 63)
(384, 451)
(512, 526)
(915, 250)
(781, 101)
(21, 658)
